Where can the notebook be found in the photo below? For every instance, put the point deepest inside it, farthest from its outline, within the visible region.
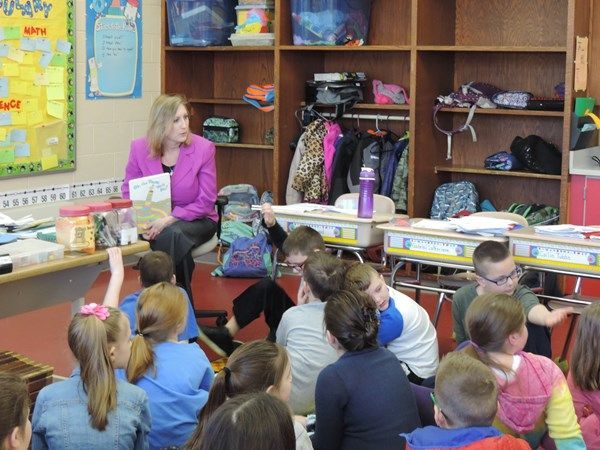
(151, 198)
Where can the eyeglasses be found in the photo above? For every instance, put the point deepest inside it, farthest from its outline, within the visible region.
(297, 267)
(516, 273)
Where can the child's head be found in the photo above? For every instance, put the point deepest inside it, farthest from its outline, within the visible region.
(351, 318)
(324, 274)
(259, 366)
(300, 243)
(161, 315)
(585, 364)
(155, 267)
(99, 337)
(496, 323)
(15, 427)
(495, 268)
(257, 421)
(465, 392)
(363, 277)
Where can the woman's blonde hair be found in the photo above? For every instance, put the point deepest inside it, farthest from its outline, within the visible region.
(161, 310)
(585, 364)
(252, 367)
(162, 113)
(89, 338)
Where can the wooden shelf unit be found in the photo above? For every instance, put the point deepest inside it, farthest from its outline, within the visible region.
(428, 46)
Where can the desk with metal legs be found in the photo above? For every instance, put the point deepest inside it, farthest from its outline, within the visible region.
(53, 282)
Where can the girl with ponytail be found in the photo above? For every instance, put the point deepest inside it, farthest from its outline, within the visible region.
(176, 376)
(92, 409)
(363, 400)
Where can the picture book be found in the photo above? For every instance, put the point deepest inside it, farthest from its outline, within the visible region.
(151, 198)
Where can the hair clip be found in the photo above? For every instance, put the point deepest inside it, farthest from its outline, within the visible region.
(93, 309)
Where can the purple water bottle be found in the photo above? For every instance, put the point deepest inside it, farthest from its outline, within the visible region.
(365, 193)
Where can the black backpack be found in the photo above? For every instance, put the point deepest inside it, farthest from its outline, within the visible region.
(536, 154)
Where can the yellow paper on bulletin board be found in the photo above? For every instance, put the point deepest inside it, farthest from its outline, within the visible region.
(37, 94)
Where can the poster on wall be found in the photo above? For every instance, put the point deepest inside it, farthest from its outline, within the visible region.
(113, 49)
(37, 121)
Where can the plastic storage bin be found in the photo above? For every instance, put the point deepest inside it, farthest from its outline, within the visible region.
(74, 229)
(253, 39)
(127, 223)
(254, 18)
(200, 23)
(106, 224)
(32, 251)
(330, 22)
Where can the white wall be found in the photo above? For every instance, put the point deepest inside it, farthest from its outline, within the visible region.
(104, 128)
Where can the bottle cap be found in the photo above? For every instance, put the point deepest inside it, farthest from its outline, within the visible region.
(74, 211)
(121, 203)
(100, 206)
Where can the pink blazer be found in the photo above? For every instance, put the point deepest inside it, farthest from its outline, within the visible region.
(194, 180)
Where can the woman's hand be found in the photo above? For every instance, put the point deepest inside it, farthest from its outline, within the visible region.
(155, 228)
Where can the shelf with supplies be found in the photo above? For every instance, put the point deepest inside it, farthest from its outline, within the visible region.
(502, 173)
(362, 106)
(334, 48)
(505, 112)
(260, 48)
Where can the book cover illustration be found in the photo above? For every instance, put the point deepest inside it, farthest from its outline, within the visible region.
(151, 198)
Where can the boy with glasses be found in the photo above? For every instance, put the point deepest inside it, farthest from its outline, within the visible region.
(496, 272)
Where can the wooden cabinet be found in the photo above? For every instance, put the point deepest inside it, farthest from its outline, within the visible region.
(430, 47)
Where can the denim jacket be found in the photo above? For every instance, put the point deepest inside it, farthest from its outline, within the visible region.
(61, 420)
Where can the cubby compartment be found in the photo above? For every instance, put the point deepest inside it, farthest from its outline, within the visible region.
(245, 165)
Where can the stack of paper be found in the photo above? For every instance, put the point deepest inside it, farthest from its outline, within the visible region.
(431, 224)
(484, 226)
(568, 230)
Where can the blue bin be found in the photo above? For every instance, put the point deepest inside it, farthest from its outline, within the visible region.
(330, 22)
(200, 23)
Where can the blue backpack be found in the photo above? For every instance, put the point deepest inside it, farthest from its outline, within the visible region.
(247, 257)
(451, 198)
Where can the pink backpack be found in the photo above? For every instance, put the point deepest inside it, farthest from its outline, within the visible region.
(389, 94)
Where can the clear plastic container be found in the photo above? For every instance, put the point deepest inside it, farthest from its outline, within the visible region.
(106, 224)
(74, 229)
(127, 223)
(252, 40)
(330, 22)
(253, 19)
(200, 23)
(26, 252)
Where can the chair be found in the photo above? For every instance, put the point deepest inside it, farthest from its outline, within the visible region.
(424, 404)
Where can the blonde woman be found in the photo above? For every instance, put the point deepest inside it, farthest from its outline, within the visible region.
(170, 147)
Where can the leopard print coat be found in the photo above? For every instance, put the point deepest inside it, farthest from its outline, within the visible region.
(310, 175)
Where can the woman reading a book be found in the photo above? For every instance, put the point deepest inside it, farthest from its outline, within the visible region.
(170, 147)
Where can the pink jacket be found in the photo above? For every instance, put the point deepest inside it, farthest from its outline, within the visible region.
(587, 408)
(194, 180)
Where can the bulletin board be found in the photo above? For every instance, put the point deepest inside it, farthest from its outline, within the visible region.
(37, 87)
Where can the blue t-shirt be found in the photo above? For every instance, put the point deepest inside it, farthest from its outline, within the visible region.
(391, 324)
(129, 306)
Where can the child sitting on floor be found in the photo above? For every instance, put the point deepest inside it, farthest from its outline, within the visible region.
(405, 328)
(176, 376)
(465, 404)
(584, 377)
(533, 394)
(496, 272)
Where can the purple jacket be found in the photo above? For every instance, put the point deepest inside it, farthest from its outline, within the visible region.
(194, 180)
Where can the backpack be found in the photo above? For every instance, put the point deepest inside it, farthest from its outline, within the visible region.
(247, 257)
(451, 198)
(536, 154)
(470, 95)
(240, 197)
(367, 154)
(535, 213)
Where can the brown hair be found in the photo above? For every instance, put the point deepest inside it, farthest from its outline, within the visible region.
(466, 391)
(488, 252)
(161, 309)
(351, 316)
(324, 274)
(89, 339)
(304, 240)
(490, 319)
(257, 421)
(155, 267)
(585, 364)
(14, 404)
(162, 113)
(359, 276)
(252, 367)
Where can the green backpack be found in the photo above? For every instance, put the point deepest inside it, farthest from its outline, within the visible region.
(535, 213)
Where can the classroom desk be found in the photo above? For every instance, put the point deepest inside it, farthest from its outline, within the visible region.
(579, 258)
(67, 279)
(420, 246)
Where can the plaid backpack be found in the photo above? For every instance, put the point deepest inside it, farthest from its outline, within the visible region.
(470, 95)
(451, 198)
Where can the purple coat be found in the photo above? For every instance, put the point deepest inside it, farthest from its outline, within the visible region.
(194, 180)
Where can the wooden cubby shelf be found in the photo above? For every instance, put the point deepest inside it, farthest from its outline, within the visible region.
(502, 173)
(261, 48)
(245, 146)
(373, 106)
(333, 48)
(490, 48)
(218, 101)
(506, 112)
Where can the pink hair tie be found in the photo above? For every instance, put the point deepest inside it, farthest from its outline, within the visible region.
(93, 309)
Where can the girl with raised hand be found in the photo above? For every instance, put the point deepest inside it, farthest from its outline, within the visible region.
(584, 376)
(533, 394)
(93, 409)
(259, 366)
(15, 427)
(363, 400)
(176, 376)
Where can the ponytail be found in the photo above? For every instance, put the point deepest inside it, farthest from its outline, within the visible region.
(88, 337)
(161, 310)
